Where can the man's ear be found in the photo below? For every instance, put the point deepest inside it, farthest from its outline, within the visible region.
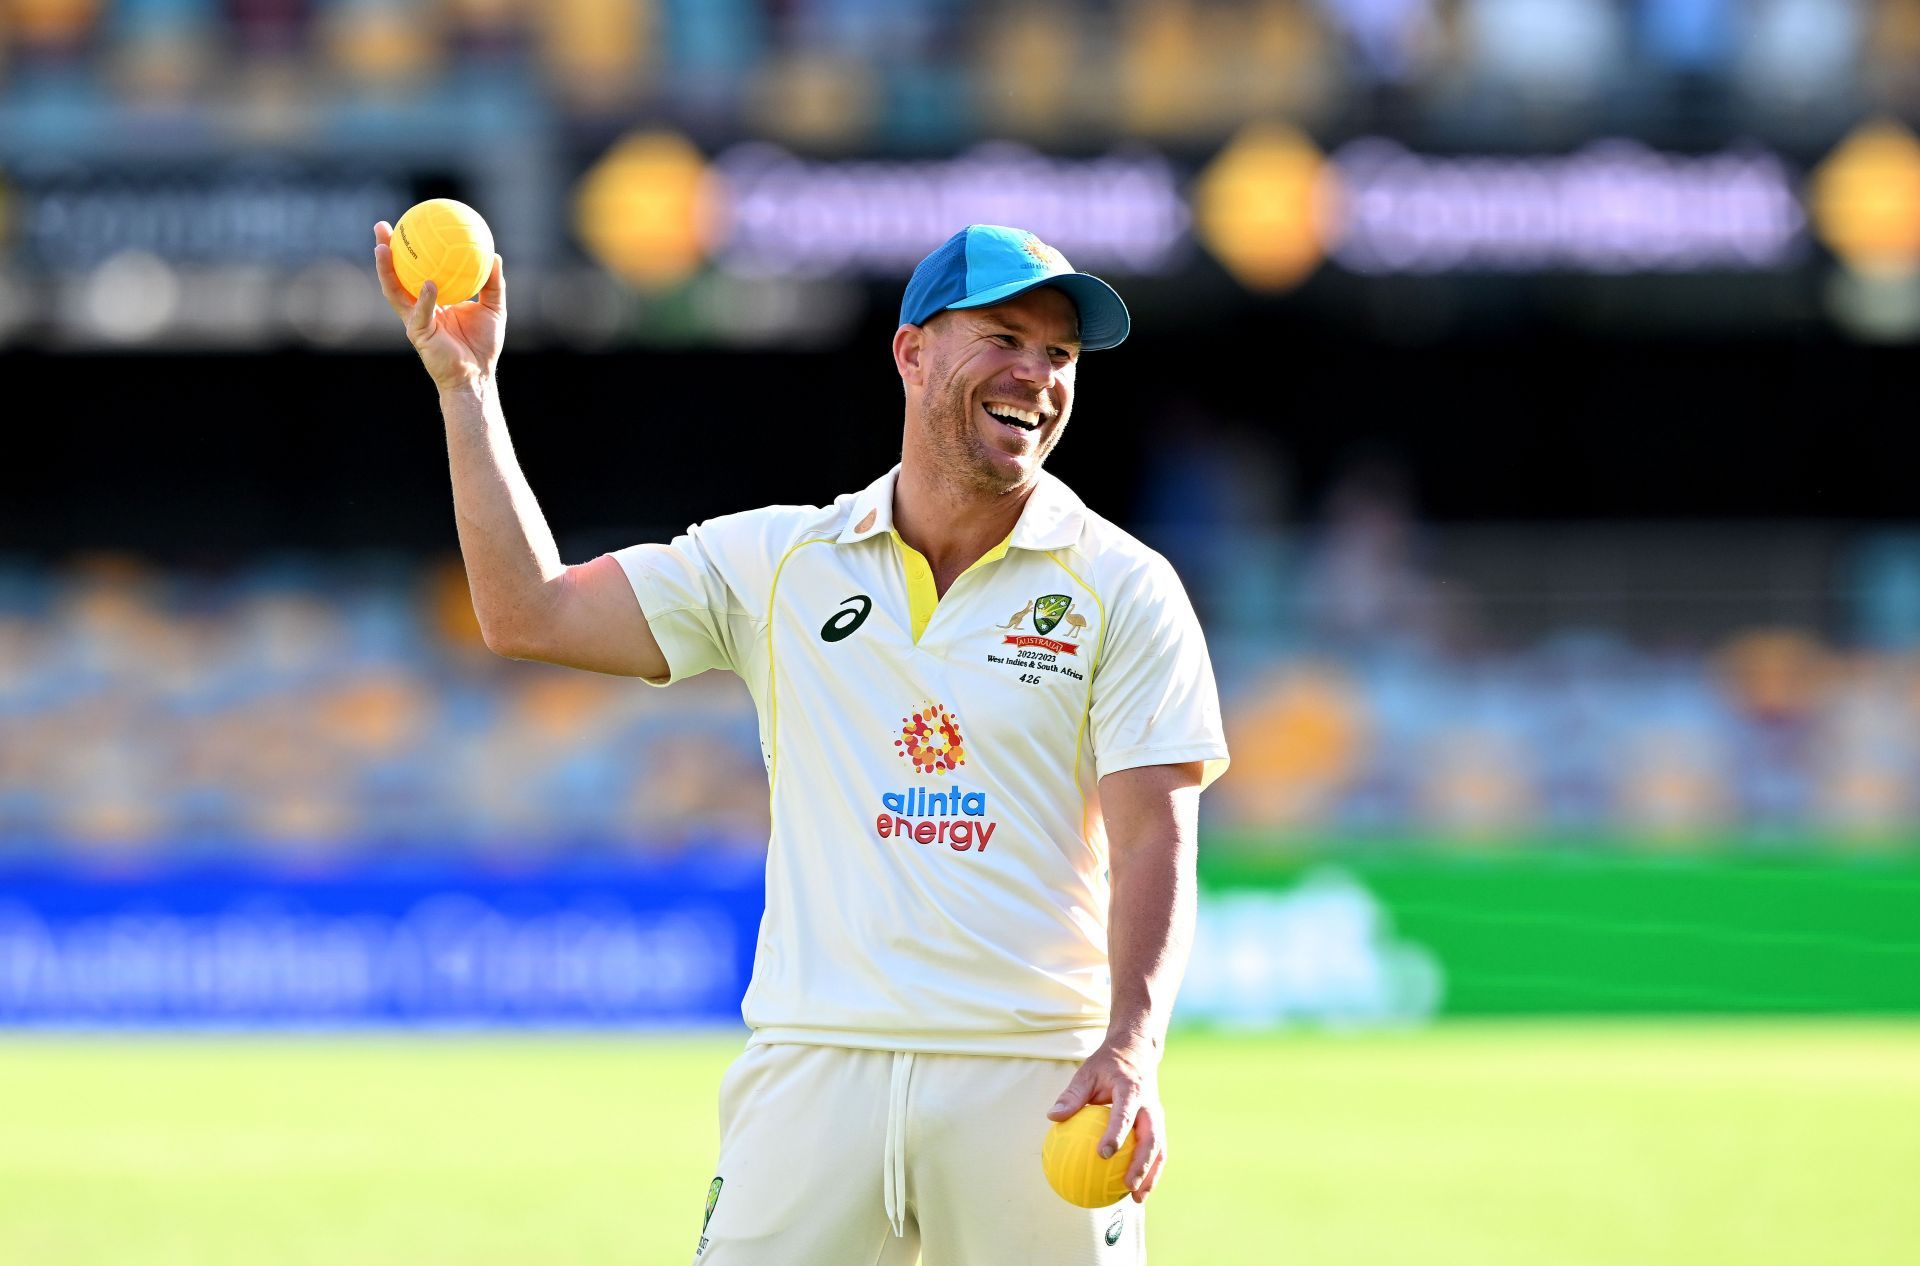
(909, 353)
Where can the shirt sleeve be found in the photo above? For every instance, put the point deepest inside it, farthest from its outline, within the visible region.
(688, 602)
(1154, 698)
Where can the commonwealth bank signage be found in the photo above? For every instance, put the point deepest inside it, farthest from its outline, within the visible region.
(1271, 207)
(655, 212)
(787, 216)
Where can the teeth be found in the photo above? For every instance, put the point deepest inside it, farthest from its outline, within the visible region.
(1026, 416)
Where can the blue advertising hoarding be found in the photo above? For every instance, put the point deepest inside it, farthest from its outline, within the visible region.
(600, 945)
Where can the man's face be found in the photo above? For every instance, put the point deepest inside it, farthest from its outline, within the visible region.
(999, 387)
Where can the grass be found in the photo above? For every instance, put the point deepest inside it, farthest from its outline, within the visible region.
(1467, 1145)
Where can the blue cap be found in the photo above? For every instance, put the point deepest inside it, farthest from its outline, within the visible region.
(984, 264)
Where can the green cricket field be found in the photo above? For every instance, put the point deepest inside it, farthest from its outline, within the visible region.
(1483, 1144)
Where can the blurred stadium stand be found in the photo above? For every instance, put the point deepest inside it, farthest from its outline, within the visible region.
(1384, 686)
(932, 71)
(292, 709)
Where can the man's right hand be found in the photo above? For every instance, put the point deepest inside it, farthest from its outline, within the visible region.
(460, 344)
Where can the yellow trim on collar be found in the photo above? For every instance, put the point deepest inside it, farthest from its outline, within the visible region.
(922, 595)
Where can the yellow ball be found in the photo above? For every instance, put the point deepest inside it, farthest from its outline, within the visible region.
(1070, 1155)
(446, 242)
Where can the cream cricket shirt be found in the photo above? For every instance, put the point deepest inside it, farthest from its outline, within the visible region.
(937, 873)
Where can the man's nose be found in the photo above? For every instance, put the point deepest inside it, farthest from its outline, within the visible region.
(1035, 367)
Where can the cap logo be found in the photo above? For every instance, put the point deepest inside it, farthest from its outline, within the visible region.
(1044, 254)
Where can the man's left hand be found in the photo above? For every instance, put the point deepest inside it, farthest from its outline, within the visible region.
(1126, 1076)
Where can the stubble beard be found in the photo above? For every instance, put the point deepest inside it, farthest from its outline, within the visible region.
(963, 458)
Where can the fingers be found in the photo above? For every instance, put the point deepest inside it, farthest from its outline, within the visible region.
(1074, 1097)
(396, 295)
(1146, 1146)
(1153, 1177)
(1126, 1102)
(420, 319)
(494, 292)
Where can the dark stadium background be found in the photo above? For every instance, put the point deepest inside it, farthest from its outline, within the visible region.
(185, 456)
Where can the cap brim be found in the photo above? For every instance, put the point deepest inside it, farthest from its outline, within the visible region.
(1104, 321)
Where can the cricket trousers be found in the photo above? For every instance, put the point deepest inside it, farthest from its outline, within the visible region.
(837, 1157)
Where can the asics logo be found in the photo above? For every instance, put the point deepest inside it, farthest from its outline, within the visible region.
(844, 621)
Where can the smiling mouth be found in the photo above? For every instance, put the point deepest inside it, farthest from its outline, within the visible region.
(1025, 420)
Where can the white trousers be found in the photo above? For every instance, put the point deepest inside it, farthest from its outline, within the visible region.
(839, 1157)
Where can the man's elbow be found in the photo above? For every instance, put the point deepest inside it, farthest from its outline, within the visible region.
(509, 640)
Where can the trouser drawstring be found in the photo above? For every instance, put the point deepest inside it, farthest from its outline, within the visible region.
(893, 1166)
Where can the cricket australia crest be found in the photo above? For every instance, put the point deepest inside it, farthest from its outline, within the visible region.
(1037, 653)
(1049, 611)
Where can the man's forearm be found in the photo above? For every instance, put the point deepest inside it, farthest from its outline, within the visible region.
(1150, 936)
(509, 550)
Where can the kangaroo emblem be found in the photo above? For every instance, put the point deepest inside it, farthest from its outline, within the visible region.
(1018, 616)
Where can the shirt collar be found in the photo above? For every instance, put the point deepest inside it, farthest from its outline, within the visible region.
(872, 511)
(1051, 519)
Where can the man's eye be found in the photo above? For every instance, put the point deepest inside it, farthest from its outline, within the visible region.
(1005, 340)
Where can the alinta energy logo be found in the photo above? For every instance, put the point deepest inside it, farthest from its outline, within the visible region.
(930, 738)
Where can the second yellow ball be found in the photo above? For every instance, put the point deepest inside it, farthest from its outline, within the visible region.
(1070, 1156)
